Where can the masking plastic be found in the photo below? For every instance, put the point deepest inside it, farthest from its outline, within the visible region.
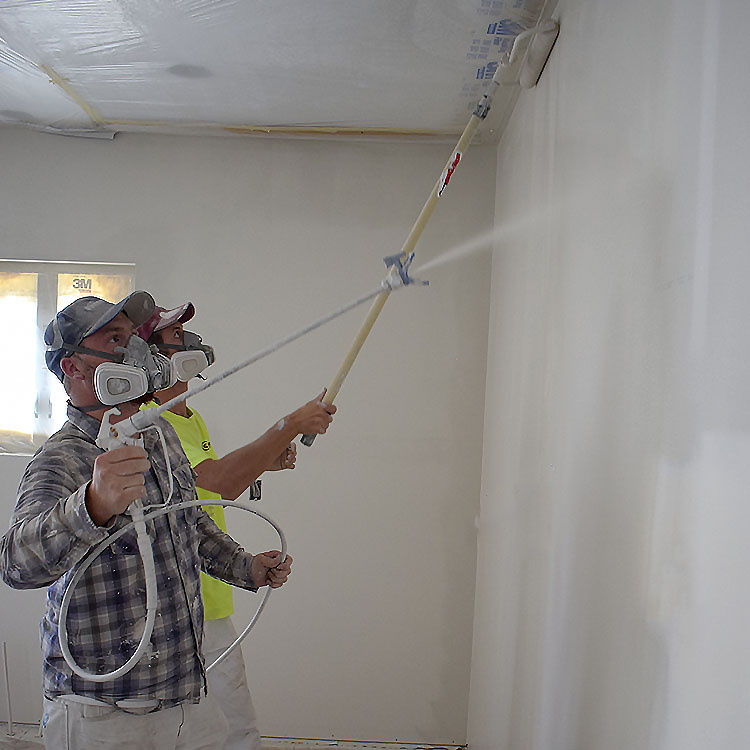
(251, 66)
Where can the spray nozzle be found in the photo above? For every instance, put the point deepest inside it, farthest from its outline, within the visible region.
(398, 272)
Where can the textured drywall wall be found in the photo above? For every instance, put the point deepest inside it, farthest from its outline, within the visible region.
(372, 637)
(612, 610)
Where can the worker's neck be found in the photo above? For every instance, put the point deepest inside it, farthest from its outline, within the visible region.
(126, 410)
(168, 394)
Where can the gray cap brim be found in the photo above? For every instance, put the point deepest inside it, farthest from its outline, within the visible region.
(138, 306)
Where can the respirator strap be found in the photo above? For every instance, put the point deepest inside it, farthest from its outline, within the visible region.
(91, 407)
(193, 343)
(87, 409)
(85, 350)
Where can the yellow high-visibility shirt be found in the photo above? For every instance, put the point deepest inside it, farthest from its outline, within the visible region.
(193, 434)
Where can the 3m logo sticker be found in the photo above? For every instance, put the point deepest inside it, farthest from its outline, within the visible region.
(446, 178)
(82, 284)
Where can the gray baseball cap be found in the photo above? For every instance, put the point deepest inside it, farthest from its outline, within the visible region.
(85, 316)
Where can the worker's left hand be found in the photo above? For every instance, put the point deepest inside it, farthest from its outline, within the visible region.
(267, 569)
(286, 460)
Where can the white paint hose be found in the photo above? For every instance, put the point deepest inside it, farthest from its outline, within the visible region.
(149, 572)
(139, 519)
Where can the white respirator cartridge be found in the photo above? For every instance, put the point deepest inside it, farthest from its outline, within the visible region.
(143, 370)
(115, 383)
(188, 364)
(192, 358)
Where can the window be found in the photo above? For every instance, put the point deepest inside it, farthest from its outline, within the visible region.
(32, 399)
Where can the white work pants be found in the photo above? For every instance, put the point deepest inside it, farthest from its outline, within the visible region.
(227, 684)
(70, 725)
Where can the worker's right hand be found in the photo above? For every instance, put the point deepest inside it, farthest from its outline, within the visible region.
(313, 417)
(118, 480)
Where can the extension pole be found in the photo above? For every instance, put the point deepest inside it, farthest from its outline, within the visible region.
(7, 689)
(482, 108)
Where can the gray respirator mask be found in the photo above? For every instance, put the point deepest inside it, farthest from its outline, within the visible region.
(138, 369)
(190, 359)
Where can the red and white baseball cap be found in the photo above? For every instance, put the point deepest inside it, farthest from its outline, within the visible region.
(163, 318)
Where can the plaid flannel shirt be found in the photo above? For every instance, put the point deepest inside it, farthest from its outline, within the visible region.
(51, 532)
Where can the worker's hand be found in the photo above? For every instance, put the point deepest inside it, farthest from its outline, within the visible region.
(268, 570)
(286, 460)
(117, 481)
(314, 417)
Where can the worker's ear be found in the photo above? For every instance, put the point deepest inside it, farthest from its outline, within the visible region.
(71, 368)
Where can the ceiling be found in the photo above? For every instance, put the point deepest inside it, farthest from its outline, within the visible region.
(305, 68)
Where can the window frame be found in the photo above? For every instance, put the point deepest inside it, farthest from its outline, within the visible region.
(48, 388)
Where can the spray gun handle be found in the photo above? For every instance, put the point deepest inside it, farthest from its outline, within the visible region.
(114, 435)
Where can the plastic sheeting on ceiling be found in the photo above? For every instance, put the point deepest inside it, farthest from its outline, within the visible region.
(409, 68)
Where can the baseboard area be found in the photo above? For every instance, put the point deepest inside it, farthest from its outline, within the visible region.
(288, 743)
(26, 736)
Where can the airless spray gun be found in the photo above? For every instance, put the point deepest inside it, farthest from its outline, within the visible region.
(127, 432)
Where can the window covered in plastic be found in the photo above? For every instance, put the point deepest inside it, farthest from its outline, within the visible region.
(32, 399)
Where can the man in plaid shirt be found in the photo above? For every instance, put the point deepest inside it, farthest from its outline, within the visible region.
(71, 497)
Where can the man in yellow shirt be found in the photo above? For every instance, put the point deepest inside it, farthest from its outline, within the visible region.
(227, 477)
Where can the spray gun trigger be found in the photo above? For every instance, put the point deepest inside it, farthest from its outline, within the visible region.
(398, 271)
(114, 435)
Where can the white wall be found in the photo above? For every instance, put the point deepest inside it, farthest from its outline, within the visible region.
(612, 610)
(372, 637)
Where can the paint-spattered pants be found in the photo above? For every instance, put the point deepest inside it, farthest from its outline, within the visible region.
(70, 725)
(227, 683)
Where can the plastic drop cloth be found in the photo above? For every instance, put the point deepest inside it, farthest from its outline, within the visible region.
(404, 66)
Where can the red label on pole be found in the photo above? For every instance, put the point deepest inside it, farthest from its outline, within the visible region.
(446, 178)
